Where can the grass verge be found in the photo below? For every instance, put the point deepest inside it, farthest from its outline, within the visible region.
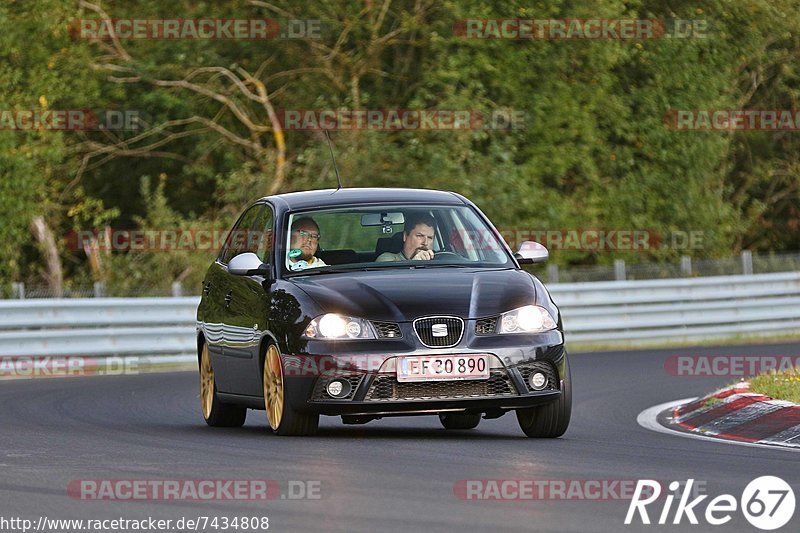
(778, 385)
(587, 347)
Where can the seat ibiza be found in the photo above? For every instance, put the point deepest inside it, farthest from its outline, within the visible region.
(369, 303)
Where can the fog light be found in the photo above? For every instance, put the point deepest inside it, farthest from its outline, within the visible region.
(338, 388)
(537, 380)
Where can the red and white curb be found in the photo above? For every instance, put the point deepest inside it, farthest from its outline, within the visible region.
(734, 415)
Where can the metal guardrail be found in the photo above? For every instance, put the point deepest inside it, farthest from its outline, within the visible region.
(98, 326)
(680, 310)
(616, 312)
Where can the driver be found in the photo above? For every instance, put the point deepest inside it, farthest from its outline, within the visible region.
(304, 244)
(417, 240)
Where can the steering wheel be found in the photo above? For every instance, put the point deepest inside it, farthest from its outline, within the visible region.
(444, 256)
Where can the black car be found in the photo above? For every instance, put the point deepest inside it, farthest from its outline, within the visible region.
(366, 303)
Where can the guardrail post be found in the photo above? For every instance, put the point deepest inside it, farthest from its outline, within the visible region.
(99, 289)
(747, 262)
(18, 289)
(552, 273)
(619, 269)
(686, 265)
(177, 289)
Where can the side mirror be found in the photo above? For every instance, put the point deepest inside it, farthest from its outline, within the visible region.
(531, 252)
(247, 264)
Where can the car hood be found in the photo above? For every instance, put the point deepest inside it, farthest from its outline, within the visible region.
(403, 295)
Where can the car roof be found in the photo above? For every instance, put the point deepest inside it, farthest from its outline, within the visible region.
(334, 197)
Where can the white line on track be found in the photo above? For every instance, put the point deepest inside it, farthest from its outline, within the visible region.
(648, 419)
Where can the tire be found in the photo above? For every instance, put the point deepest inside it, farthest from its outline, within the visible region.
(215, 412)
(460, 420)
(550, 420)
(282, 418)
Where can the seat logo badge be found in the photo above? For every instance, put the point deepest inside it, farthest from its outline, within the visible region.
(439, 330)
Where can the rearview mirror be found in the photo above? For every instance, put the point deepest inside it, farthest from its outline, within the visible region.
(382, 219)
(247, 264)
(531, 252)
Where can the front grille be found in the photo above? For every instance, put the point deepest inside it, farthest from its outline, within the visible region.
(385, 388)
(388, 330)
(486, 326)
(320, 394)
(439, 331)
(545, 367)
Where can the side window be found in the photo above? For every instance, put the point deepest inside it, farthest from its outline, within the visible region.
(241, 238)
(265, 234)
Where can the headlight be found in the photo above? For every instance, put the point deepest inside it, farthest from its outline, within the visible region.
(333, 326)
(528, 319)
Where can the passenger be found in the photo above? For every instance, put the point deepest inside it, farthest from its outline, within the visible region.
(417, 240)
(304, 244)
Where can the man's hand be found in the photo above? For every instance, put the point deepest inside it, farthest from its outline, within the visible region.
(422, 254)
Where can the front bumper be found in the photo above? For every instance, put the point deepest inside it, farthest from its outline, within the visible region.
(378, 392)
(471, 405)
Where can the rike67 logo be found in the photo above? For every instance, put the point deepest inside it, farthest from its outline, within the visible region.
(767, 503)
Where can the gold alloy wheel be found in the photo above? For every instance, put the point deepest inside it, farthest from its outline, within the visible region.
(273, 387)
(206, 382)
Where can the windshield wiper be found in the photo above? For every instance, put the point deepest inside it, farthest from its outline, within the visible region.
(389, 265)
(325, 270)
(312, 271)
(442, 265)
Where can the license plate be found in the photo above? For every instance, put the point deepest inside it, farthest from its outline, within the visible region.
(442, 367)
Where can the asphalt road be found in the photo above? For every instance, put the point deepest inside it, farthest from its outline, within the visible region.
(395, 474)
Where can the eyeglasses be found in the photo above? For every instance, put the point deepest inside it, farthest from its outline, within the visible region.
(308, 235)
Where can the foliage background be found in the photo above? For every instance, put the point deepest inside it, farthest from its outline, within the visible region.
(595, 152)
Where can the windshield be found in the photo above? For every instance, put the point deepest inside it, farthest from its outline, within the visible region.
(391, 236)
